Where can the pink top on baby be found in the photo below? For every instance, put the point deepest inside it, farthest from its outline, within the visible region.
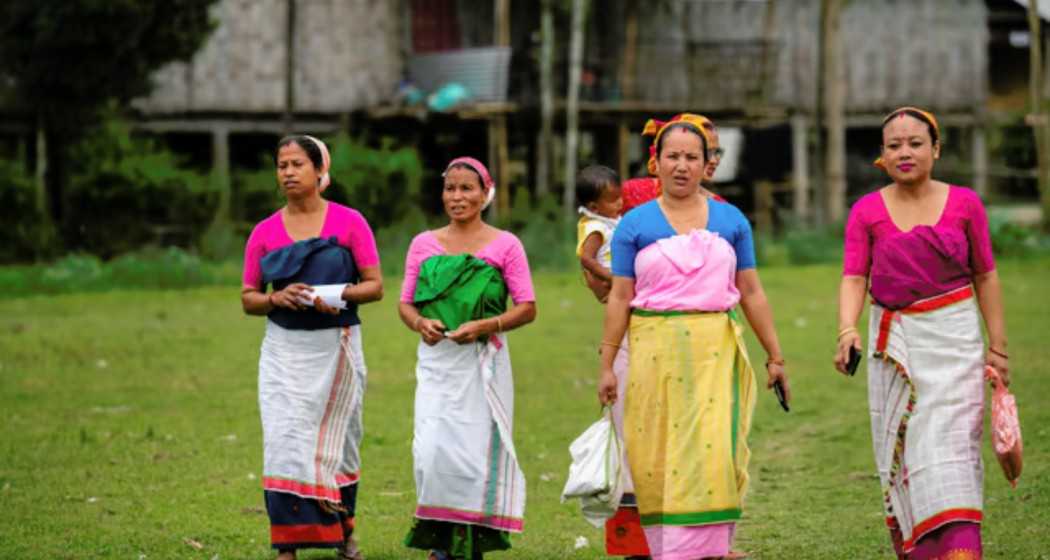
(346, 224)
(505, 253)
(687, 272)
(925, 261)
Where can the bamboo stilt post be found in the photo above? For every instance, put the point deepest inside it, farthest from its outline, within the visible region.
(579, 10)
(1037, 117)
(835, 97)
(545, 138)
(498, 124)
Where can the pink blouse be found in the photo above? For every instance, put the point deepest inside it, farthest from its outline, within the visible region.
(346, 224)
(905, 266)
(505, 253)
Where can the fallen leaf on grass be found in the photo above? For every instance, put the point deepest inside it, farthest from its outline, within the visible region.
(254, 510)
(196, 545)
(391, 494)
(229, 437)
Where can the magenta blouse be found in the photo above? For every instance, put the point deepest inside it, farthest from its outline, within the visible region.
(505, 253)
(907, 266)
(342, 222)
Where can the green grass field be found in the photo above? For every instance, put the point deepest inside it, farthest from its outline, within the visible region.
(131, 429)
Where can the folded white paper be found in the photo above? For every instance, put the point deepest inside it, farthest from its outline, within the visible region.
(330, 294)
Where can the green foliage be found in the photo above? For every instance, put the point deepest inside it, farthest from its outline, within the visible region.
(68, 59)
(169, 268)
(126, 192)
(1013, 240)
(549, 239)
(25, 234)
(382, 183)
(814, 245)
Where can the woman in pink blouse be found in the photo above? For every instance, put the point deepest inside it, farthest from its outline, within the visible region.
(922, 249)
(311, 367)
(470, 490)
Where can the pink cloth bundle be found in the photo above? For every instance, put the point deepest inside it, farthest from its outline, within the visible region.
(1006, 427)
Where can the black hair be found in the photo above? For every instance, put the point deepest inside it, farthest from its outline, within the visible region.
(591, 180)
(916, 114)
(688, 127)
(461, 165)
(313, 151)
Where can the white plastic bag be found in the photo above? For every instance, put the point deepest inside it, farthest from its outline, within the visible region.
(596, 473)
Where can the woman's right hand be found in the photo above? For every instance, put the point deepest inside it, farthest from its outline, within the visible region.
(431, 330)
(607, 387)
(291, 297)
(848, 340)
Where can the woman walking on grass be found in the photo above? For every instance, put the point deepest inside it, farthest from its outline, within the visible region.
(469, 486)
(922, 249)
(681, 263)
(312, 367)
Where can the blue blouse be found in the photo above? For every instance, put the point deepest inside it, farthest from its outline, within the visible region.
(647, 224)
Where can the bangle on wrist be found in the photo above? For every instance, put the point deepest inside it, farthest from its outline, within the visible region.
(775, 361)
(415, 325)
(846, 331)
(269, 299)
(998, 353)
(499, 325)
(607, 343)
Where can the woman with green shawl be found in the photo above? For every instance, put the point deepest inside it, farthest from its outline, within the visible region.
(469, 486)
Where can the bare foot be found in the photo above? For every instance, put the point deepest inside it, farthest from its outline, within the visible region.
(286, 555)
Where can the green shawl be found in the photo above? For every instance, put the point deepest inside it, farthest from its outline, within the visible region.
(459, 288)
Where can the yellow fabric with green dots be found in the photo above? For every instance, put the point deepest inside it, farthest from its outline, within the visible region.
(689, 401)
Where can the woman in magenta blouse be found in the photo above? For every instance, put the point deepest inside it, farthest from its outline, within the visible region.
(921, 248)
(311, 366)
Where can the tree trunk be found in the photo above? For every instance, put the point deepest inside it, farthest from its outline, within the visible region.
(579, 11)
(1037, 114)
(835, 102)
(40, 173)
(543, 142)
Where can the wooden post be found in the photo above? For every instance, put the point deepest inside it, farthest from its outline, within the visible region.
(543, 141)
(1038, 116)
(800, 166)
(40, 173)
(289, 68)
(623, 156)
(980, 159)
(498, 156)
(629, 74)
(835, 97)
(579, 10)
(220, 172)
(764, 206)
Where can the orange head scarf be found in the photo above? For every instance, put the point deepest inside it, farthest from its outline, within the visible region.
(924, 116)
(656, 128)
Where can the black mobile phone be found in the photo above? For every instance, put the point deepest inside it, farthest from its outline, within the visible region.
(854, 361)
(779, 390)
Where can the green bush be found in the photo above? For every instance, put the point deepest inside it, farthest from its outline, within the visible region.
(25, 235)
(1013, 240)
(814, 245)
(382, 183)
(126, 192)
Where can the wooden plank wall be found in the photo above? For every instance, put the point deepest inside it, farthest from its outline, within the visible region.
(347, 57)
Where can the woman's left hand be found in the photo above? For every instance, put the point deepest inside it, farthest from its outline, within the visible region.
(1001, 365)
(468, 332)
(777, 373)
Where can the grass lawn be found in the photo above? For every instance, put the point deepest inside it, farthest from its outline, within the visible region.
(131, 429)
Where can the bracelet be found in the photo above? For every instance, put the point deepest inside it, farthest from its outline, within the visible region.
(499, 324)
(998, 353)
(415, 326)
(846, 331)
(607, 343)
(775, 361)
(269, 299)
